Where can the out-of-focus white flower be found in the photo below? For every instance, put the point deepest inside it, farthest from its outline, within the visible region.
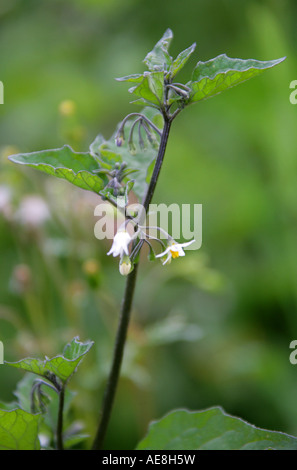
(120, 244)
(174, 250)
(33, 211)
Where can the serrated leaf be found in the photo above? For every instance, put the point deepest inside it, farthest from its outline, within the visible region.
(77, 168)
(211, 429)
(159, 58)
(181, 60)
(19, 430)
(62, 366)
(219, 74)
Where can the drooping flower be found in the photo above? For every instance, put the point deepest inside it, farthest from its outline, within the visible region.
(120, 244)
(173, 250)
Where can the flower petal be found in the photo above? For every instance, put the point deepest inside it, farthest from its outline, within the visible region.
(167, 259)
(163, 253)
(187, 243)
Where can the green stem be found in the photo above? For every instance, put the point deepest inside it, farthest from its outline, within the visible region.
(121, 336)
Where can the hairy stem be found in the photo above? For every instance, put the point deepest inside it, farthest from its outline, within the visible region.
(118, 352)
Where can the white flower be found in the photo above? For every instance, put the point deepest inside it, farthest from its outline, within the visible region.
(120, 244)
(174, 250)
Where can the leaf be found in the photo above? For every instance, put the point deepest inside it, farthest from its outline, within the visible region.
(156, 84)
(62, 366)
(217, 75)
(149, 88)
(100, 148)
(159, 58)
(77, 168)
(135, 78)
(75, 440)
(181, 60)
(142, 102)
(19, 430)
(211, 429)
(23, 392)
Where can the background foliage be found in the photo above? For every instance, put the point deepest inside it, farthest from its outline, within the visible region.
(213, 328)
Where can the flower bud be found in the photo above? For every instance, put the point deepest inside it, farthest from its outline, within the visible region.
(125, 266)
(132, 148)
(119, 141)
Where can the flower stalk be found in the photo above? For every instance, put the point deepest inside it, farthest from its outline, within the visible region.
(121, 335)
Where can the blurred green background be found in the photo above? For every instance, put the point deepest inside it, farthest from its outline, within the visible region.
(213, 328)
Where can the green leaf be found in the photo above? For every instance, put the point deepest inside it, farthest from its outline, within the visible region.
(156, 84)
(135, 78)
(181, 60)
(142, 102)
(19, 430)
(62, 366)
(108, 158)
(159, 58)
(211, 429)
(75, 439)
(23, 392)
(151, 88)
(8, 406)
(219, 74)
(77, 168)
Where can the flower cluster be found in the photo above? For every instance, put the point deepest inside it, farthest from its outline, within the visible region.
(122, 240)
